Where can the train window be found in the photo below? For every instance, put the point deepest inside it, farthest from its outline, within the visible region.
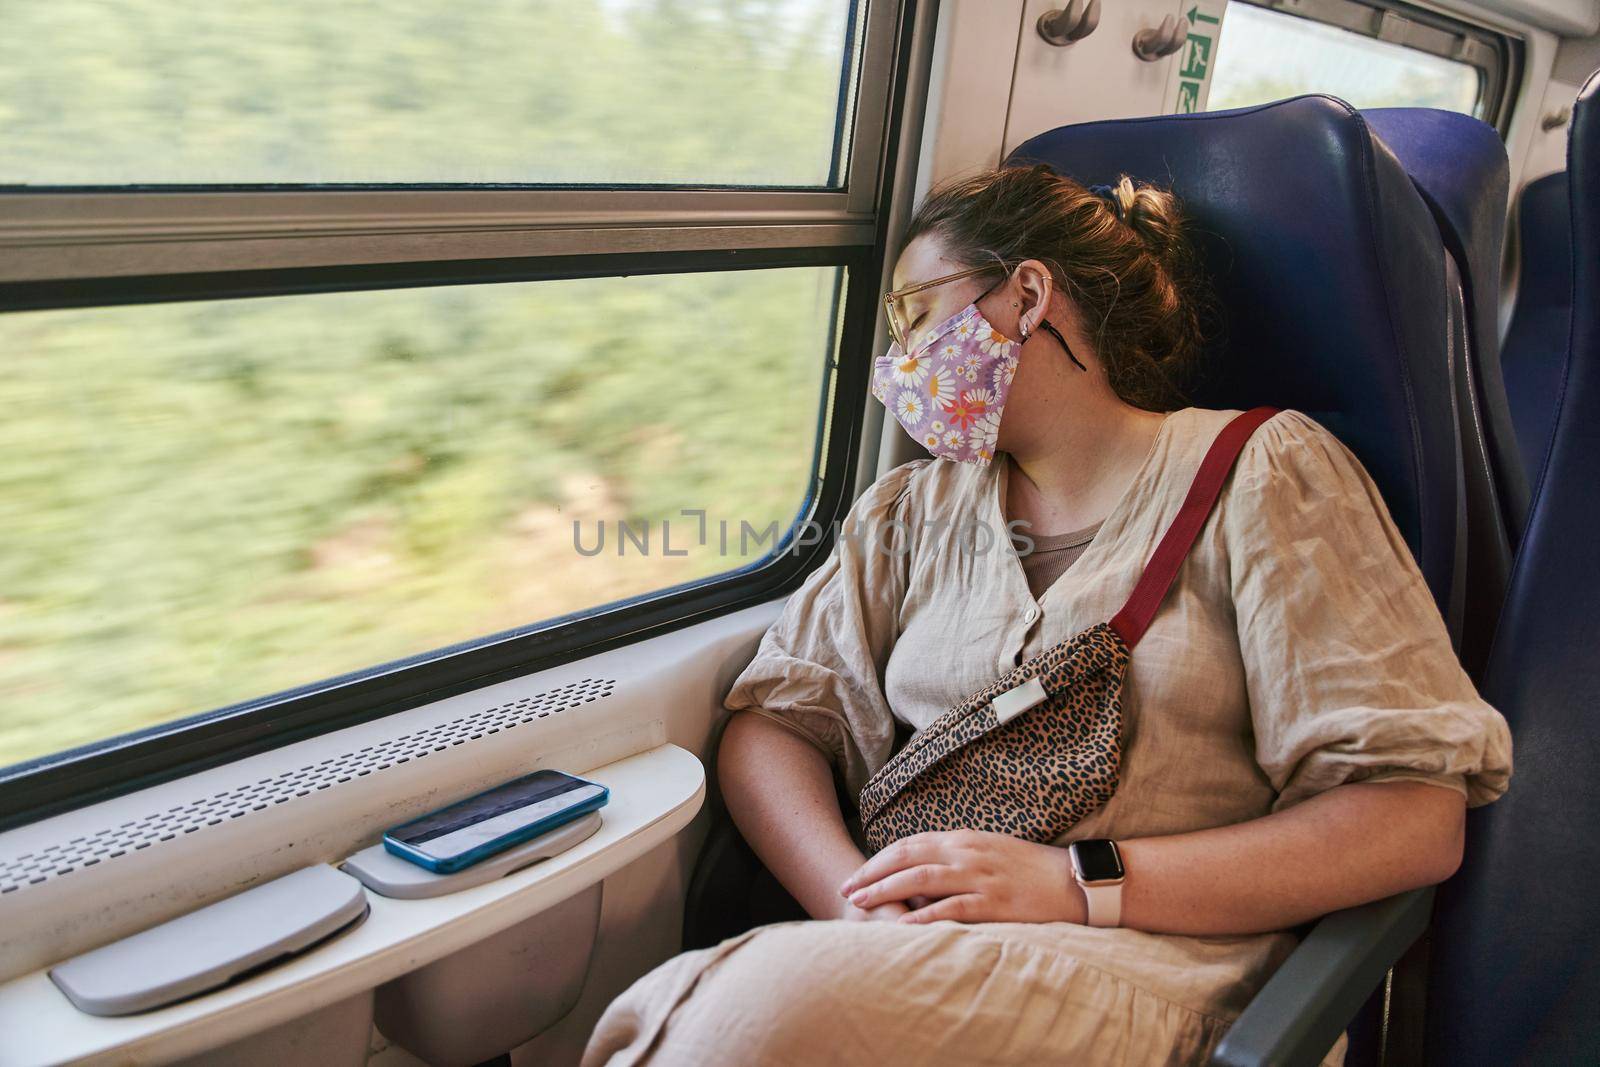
(332, 338)
(194, 92)
(206, 501)
(1371, 55)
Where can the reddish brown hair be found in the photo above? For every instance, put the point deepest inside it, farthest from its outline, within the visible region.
(1132, 274)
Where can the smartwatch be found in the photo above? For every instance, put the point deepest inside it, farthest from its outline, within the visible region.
(1097, 868)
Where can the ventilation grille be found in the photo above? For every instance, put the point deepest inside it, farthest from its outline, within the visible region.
(81, 852)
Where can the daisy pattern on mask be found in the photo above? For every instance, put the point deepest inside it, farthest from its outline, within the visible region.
(941, 389)
(949, 353)
(967, 328)
(992, 342)
(953, 438)
(984, 434)
(1004, 372)
(908, 406)
(909, 370)
(971, 367)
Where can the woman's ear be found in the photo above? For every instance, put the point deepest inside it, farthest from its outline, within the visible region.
(1035, 288)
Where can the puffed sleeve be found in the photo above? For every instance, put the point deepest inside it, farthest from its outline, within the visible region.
(819, 667)
(1349, 668)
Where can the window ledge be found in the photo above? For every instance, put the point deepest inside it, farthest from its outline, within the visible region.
(653, 795)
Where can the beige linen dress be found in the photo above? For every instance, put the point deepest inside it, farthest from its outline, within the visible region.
(1299, 649)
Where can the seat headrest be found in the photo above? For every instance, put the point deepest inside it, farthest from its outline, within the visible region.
(1330, 274)
(1544, 231)
(1533, 358)
(1458, 163)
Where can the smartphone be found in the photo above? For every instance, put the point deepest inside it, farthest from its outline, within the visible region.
(492, 821)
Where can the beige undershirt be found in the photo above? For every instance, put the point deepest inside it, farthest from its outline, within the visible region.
(1052, 555)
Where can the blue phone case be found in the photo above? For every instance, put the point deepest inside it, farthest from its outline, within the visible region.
(499, 844)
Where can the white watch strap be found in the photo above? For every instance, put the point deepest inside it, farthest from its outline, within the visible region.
(1105, 904)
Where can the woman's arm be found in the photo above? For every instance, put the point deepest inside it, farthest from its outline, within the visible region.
(779, 790)
(1347, 846)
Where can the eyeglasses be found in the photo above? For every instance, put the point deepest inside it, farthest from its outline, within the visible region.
(899, 327)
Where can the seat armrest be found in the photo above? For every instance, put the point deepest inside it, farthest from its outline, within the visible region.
(1299, 1013)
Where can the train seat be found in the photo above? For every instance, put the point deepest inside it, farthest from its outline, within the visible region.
(1513, 973)
(1329, 273)
(1535, 350)
(1460, 168)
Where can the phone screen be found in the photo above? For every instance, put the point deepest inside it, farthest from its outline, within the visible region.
(466, 825)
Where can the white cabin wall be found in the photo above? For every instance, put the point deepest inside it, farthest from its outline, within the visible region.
(1098, 77)
(1575, 60)
(996, 82)
(1566, 17)
(970, 91)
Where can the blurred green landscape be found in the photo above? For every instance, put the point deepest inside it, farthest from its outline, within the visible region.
(205, 503)
(1266, 55)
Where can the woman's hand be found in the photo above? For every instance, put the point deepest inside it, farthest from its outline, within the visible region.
(971, 876)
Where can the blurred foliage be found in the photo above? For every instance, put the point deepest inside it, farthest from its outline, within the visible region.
(186, 91)
(209, 502)
(206, 503)
(1267, 55)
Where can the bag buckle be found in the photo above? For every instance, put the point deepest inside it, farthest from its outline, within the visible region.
(1014, 702)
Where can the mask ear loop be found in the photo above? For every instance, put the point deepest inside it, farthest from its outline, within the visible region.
(1047, 325)
(1061, 340)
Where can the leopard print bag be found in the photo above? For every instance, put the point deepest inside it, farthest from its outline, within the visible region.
(1033, 752)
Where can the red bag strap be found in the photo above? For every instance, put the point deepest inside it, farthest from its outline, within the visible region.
(1131, 622)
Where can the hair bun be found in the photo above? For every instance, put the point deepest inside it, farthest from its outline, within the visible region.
(1134, 281)
(1109, 195)
(1153, 213)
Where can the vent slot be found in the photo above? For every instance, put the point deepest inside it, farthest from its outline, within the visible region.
(53, 861)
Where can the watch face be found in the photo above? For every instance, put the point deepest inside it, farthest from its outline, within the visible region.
(1097, 860)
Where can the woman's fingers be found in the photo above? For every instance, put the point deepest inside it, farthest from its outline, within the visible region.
(925, 879)
(904, 853)
(963, 908)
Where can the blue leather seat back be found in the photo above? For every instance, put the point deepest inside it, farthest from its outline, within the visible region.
(1515, 977)
(1535, 351)
(1459, 165)
(1330, 274)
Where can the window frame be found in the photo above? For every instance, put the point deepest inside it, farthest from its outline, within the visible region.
(1496, 56)
(89, 248)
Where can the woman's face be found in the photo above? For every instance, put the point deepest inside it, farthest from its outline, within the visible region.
(924, 260)
(1043, 375)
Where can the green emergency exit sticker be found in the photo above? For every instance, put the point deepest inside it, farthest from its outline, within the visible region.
(1191, 77)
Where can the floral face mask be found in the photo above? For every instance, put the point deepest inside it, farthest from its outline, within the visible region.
(950, 390)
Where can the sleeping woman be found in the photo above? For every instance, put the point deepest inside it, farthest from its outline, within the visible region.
(1297, 733)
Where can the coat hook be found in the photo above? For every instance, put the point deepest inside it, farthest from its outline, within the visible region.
(1153, 44)
(1074, 22)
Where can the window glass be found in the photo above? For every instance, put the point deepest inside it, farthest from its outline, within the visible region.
(204, 503)
(1268, 55)
(112, 92)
